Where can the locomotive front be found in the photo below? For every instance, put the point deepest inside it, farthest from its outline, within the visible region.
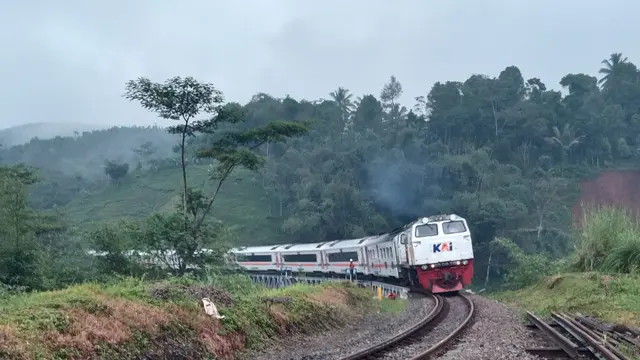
(442, 253)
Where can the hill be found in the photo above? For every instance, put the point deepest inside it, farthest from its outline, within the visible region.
(21, 134)
(85, 154)
(242, 203)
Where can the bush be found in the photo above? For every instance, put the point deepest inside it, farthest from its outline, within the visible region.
(527, 268)
(608, 241)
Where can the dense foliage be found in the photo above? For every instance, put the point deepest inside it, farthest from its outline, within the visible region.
(505, 152)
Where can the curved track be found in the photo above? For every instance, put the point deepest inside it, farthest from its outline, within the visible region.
(439, 327)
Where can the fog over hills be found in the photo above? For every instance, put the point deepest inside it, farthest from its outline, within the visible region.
(21, 134)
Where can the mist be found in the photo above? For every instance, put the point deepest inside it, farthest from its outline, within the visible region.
(85, 152)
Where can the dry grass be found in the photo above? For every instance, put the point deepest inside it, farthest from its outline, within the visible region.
(10, 346)
(330, 296)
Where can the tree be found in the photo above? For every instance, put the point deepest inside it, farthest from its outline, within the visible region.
(179, 99)
(19, 227)
(229, 146)
(391, 92)
(342, 98)
(146, 150)
(116, 170)
(612, 70)
(565, 140)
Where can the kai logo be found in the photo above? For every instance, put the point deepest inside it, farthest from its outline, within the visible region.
(442, 247)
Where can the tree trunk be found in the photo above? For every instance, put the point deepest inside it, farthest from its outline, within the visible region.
(486, 280)
(495, 117)
(184, 173)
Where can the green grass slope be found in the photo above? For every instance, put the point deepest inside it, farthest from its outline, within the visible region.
(242, 204)
(613, 298)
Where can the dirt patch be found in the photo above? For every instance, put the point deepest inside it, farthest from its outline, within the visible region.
(112, 325)
(222, 346)
(196, 292)
(554, 280)
(330, 296)
(610, 188)
(279, 317)
(85, 330)
(137, 315)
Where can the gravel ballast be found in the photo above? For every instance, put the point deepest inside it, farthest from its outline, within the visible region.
(338, 343)
(497, 333)
(458, 311)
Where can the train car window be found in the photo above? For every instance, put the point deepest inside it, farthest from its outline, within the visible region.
(343, 256)
(453, 227)
(300, 258)
(426, 230)
(253, 258)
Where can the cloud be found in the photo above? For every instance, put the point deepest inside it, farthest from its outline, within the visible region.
(68, 61)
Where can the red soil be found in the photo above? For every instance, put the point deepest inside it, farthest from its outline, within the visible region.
(611, 188)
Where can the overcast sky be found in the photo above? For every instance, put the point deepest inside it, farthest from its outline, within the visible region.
(68, 60)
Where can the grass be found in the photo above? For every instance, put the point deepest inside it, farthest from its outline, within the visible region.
(583, 293)
(609, 240)
(125, 319)
(392, 306)
(242, 204)
(601, 278)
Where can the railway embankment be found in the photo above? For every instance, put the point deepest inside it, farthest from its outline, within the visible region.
(132, 319)
(612, 298)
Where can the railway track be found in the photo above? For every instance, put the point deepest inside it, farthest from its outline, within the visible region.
(430, 336)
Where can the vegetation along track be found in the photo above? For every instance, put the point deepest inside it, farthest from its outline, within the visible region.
(447, 319)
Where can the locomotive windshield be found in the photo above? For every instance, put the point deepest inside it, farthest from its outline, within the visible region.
(426, 230)
(453, 227)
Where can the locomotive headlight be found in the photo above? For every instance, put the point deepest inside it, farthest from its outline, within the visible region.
(458, 262)
(452, 217)
(424, 267)
(433, 265)
(425, 220)
(465, 262)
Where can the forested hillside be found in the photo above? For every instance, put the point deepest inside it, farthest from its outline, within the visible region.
(17, 135)
(74, 165)
(504, 151)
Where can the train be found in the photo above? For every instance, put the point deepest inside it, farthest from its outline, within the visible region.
(434, 253)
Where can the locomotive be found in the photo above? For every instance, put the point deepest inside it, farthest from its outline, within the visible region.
(435, 253)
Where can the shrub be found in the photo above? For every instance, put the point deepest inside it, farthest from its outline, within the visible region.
(609, 240)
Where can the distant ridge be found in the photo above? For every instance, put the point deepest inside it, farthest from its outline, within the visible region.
(21, 134)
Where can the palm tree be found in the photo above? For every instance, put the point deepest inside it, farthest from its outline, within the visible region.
(342, 97)
(613, 70)
(565, 140)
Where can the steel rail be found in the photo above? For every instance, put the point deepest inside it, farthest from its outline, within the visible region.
(568, 346)
(399, 338)
(452, 336)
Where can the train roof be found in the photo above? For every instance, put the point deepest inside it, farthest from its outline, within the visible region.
(326, 245)
(257, 249)
(352, 243)
(437, 218)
